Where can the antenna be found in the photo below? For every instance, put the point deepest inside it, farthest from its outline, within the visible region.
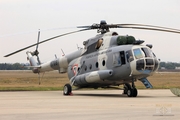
(78, 47)
(62, 52)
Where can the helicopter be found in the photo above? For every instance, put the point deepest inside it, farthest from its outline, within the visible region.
(107, 60)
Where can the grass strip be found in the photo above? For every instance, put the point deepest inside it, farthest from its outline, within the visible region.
(30, 88)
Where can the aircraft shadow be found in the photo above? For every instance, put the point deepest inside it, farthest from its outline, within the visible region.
(101, 95)
(109, 95)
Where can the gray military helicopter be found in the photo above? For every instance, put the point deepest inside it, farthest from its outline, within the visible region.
(107, 60)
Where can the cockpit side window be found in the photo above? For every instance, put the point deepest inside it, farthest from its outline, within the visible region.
(129, 56)
(137, 53)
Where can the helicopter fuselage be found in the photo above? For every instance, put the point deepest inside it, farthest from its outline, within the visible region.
(106, 59)
(110, 60)
(116, 65)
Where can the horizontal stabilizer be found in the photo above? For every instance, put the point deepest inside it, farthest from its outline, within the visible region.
(146, 83)
(175, 91)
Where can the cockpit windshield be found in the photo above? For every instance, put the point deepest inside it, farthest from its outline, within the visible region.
(142, 52)
(146, 52)
(137, 53)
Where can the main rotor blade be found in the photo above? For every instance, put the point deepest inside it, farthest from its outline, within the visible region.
(149, 27)
(103, 26)
(45, 41)
(133, 26)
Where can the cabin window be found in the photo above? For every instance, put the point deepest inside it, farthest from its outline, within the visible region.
(103, 62)
(85, 67)
(116, 59)
(119, 58)
(90, 66)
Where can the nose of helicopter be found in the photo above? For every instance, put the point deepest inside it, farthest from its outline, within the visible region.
(145, 66)
(144, 63)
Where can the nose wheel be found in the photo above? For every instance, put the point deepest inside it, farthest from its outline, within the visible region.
(131, 91)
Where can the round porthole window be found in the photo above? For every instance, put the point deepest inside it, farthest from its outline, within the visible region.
(85, 67)
(90, 66)
(103, 62)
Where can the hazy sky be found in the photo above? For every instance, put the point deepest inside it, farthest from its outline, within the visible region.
(21, 19)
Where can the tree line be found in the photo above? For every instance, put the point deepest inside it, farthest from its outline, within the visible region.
(169, 65)
(14, 66)
(20, 66)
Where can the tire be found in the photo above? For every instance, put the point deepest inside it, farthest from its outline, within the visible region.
(135, 92)
(126, 87)
(130, 92)
(67, 89)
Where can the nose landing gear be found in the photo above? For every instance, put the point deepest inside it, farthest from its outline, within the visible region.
(131, 91)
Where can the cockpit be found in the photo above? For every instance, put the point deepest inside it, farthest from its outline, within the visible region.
(143, 58)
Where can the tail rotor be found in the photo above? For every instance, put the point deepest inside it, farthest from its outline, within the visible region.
(36, 52)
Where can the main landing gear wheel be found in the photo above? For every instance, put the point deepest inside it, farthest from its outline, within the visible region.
(132, 92)
(67, 89)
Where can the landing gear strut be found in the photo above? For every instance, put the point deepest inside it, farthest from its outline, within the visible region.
(67, 89)
(127, 86)
(131, 91)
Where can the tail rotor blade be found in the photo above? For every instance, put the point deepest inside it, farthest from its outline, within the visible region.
(38, 40)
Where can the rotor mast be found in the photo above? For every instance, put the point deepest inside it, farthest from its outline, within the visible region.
(103, 27)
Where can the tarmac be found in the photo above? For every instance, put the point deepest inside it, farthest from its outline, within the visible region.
(89, 105)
